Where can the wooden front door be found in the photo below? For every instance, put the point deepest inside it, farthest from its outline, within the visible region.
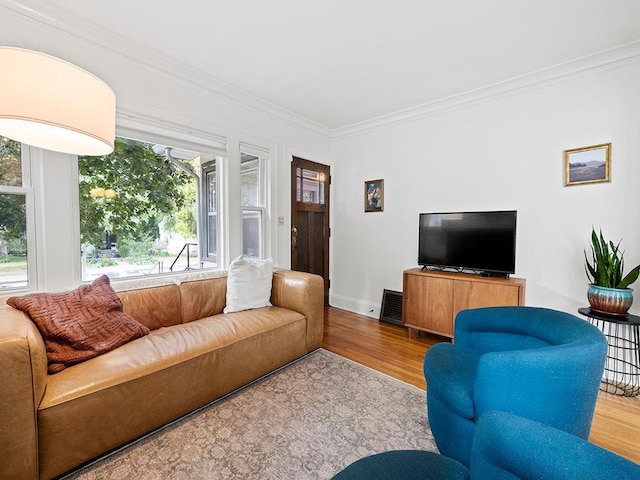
(310, 219)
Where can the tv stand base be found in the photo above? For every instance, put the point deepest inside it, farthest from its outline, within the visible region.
(432, 299)
(494, 275)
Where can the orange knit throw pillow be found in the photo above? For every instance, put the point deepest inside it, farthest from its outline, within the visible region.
(80, 324)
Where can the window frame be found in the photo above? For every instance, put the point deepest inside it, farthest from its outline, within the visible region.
(165, 133)
(204, 213)
(26, 190)
(262, 208)
(226, 150)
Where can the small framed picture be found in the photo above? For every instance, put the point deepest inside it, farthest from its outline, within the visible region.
(587, 164)
(374, 195)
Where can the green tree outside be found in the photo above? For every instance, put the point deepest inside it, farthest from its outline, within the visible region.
(13, 217)
(129, 192)
(10, 162)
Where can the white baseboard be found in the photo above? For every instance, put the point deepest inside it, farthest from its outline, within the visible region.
(356, 305)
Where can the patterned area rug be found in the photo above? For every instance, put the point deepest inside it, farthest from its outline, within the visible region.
(307, 420)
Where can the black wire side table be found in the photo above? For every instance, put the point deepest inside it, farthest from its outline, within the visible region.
(622, 368)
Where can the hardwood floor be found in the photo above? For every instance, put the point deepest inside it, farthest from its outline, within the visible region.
(388, 349)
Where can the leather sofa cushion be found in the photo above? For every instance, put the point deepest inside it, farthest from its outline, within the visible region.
(80, 324)
(154, 307)
(105, 402)
(203, 298)
(162, 348)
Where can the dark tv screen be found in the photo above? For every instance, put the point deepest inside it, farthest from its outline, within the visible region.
(483, 242)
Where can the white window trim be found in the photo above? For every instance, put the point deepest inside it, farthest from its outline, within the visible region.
(166, 133)
(264, 194)
(263, 227)
(204, 213)
(27, 190)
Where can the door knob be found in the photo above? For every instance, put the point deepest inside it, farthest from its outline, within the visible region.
(294, 237)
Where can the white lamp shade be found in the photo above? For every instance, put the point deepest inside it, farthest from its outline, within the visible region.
(52, 104)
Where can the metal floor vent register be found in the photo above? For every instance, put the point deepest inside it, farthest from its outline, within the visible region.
(391, 311)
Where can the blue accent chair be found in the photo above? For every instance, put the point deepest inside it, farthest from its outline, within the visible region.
(537, 363)
(506, 447)
(404, 465)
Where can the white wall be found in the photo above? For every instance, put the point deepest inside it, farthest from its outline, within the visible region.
(165, 100)
(504, 152)
(500, 153)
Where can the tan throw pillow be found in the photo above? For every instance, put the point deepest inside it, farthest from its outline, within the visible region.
(248, 284)
(80, 324)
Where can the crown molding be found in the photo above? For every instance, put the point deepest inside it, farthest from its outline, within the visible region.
(67, 22)
(70, 24)
(627, 53)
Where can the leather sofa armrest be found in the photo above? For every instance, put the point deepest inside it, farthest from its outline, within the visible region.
(23, 378)
(303, 293)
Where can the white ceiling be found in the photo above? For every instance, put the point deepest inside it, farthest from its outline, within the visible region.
(342, 62)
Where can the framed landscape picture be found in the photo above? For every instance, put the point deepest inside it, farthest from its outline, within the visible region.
(587, 164)
(374, 195)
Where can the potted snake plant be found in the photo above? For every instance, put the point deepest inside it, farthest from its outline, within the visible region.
(608, 290)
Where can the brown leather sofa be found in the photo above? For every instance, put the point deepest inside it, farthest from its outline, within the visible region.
(50, 424)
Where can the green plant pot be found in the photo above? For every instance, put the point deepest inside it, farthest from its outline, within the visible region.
(612, 301)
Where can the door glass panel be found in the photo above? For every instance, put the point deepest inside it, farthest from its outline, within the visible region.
(309, 186)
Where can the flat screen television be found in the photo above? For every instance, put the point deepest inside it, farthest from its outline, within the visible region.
(479, 242)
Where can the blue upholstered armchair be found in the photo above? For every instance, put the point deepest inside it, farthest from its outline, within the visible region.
(537, 363)
(508, 447)
(505, 447)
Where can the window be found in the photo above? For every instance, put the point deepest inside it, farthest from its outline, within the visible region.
(15, 200)
(253, 200)
(210, 176)
(139, 210)
(149, 208)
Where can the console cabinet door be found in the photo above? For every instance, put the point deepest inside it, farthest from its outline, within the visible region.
(428, 304)
(477, 294)
(431, 300)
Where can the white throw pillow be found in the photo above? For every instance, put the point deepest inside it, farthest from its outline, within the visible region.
(248, 284)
